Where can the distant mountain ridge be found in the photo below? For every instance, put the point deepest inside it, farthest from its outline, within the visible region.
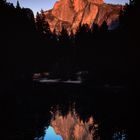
(69, 14)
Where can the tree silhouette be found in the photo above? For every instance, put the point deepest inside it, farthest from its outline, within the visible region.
(104, 27)
(2, 2)
(95, 28)
(18, 5)
(42, 25)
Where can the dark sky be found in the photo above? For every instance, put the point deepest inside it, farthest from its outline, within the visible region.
(37, 5)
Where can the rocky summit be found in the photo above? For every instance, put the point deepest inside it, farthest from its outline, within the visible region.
(69, 14)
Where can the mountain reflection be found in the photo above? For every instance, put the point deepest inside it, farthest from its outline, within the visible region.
(72, 127)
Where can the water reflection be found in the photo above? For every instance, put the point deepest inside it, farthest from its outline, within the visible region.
(51, 135)
(120, 135)
(70, 127)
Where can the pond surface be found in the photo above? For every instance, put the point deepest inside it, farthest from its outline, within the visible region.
(30, 109)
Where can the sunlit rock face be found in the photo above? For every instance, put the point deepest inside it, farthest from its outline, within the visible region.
(71, 127)
(79, 5)
(89, 16)
(69, 14)
(96, 1)
(63, 10)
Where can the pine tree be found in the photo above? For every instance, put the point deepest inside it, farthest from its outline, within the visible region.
(18, 5)
(104, 27)
(2, 2)
(42, 25)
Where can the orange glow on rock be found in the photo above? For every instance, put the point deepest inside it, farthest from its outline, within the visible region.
(71, 127)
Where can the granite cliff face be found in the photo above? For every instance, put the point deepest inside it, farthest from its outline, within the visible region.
(69, 14)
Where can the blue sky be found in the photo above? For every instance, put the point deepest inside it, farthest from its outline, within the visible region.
(51, 135)
(37, 5)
